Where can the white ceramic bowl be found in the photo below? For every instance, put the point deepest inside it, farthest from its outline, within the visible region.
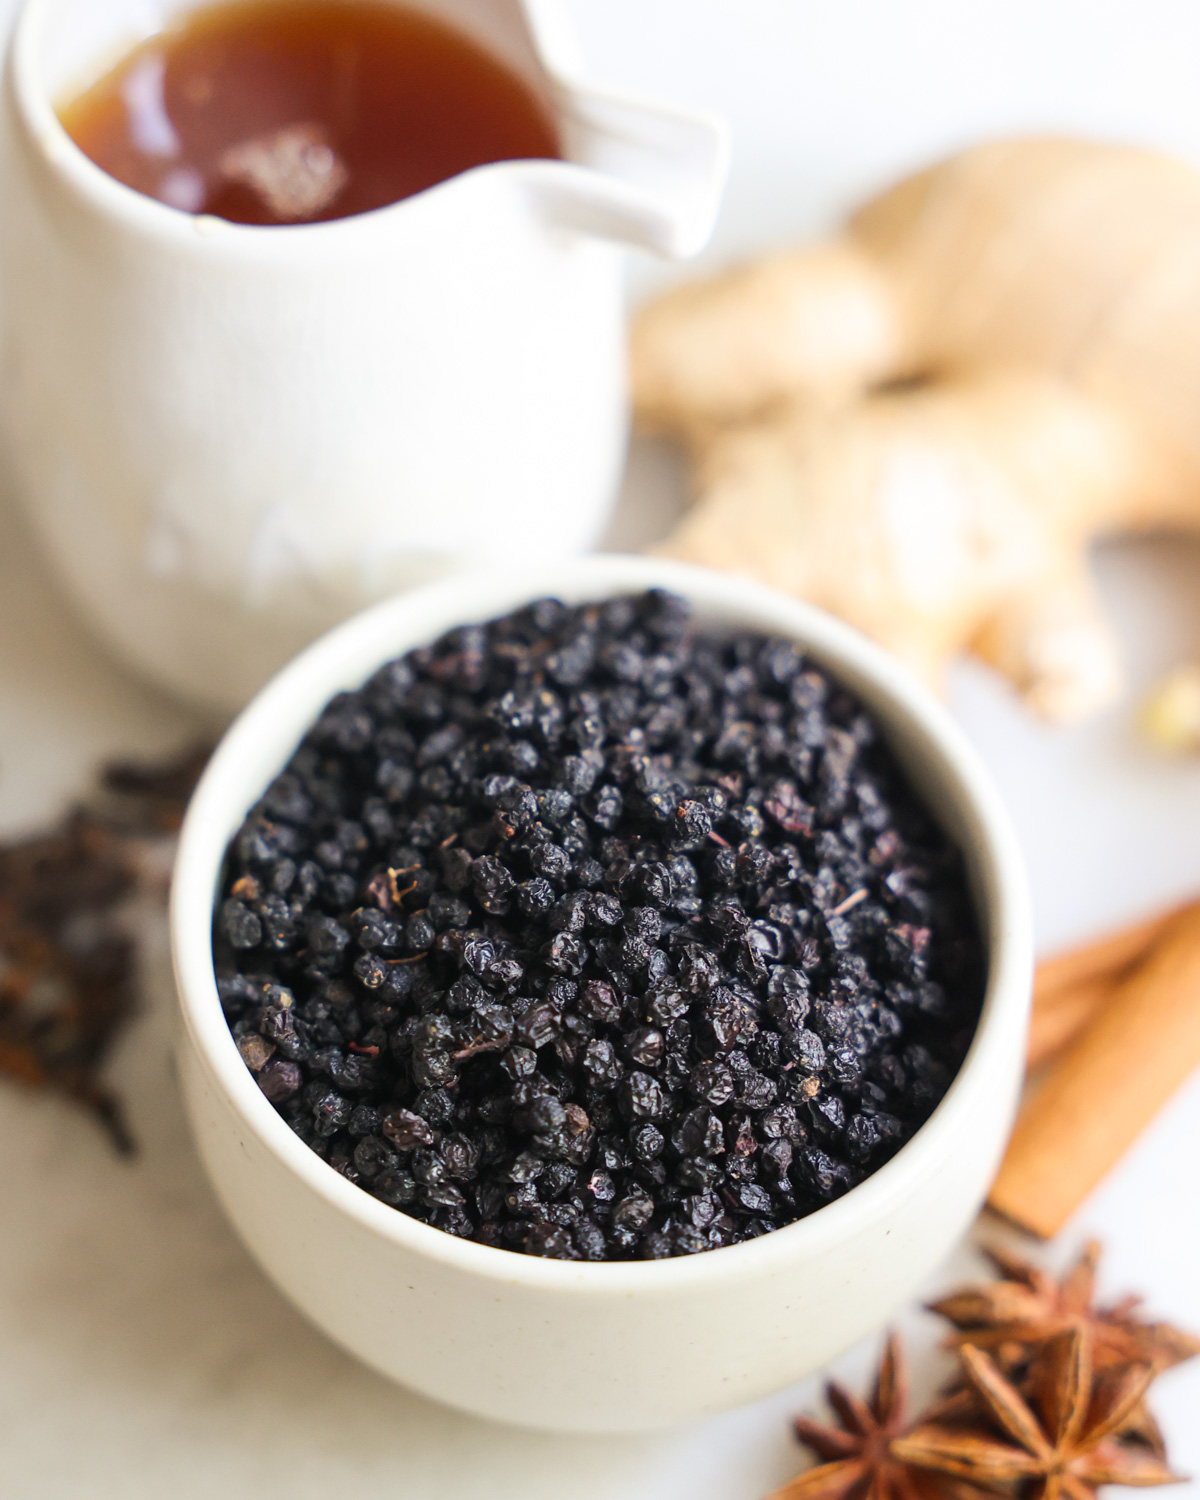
(610, 1347)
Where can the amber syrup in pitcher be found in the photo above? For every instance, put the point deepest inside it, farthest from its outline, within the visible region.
(298, 111)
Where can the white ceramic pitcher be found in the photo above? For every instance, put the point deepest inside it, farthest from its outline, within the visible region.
(230, 437)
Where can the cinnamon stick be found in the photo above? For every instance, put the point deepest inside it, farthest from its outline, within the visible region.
(1054, 1026)
(1108, 1085)
(1100, 959)
(1070, 988)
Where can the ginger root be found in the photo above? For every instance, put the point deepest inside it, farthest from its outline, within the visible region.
(923, 425)
(1170, 717)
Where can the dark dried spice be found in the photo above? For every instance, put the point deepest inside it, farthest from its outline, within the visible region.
(67, 956)
(1056, 1435)
(583, 909)
(1014, 1316)
(1059, 1441)
(858, 1458)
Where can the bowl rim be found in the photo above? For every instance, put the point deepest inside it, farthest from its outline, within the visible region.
(243, 765)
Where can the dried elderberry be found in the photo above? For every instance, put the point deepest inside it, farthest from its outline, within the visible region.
(593, 934)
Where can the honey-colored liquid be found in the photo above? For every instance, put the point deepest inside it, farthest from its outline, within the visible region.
(298, 111)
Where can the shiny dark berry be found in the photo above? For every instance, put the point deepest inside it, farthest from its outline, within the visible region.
(279, 1080)
(239, 926)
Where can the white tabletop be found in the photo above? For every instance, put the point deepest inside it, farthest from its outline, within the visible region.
(142, 1354)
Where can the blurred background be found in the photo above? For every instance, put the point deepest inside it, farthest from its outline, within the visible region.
(831, 101)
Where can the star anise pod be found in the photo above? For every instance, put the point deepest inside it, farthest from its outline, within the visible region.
(961, 1407)
(1013, 1317)
(1062, 1444)
(859, 1461)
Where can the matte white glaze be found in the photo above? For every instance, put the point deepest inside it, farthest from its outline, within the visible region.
(610, 1347)
(229, 438)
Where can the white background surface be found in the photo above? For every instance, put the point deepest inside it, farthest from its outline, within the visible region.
(141, 1353)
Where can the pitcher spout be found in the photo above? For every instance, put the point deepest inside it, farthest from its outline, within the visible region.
(643, 173)
(638, 171)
